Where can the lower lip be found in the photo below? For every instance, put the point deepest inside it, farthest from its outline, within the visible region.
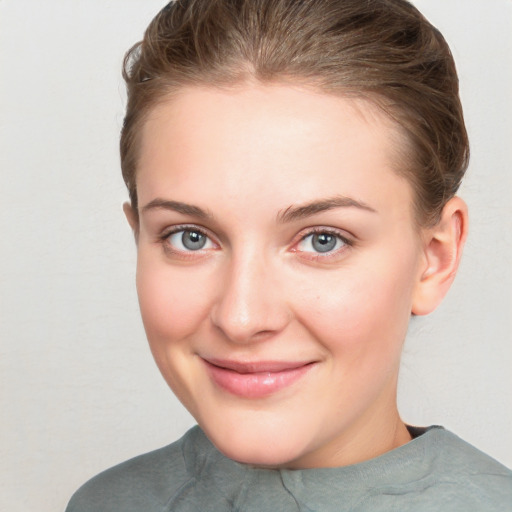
(257, 384)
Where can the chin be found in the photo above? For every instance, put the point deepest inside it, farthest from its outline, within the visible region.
(256, 447)
(260, 456)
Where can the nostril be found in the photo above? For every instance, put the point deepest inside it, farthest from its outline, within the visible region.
(263, 334)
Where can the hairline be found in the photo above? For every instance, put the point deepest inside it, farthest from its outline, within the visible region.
(401, 154)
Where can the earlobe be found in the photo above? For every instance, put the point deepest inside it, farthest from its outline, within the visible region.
(442, 250)
(132, 218)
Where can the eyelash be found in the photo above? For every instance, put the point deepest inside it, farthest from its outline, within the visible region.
(164, 240)
(319, 256)
(310, 255)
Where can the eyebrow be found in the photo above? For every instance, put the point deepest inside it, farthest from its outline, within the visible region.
(176, 206)
(293, 213)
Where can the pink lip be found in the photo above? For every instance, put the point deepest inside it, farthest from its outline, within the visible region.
(256, 379)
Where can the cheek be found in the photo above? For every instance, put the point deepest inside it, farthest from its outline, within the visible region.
(172, 302)
(360, 311)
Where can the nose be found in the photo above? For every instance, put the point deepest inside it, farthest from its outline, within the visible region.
(250, 305)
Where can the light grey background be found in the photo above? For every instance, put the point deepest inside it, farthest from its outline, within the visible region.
(79, 391)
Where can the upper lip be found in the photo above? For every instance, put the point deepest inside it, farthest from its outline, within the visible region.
(256, 366)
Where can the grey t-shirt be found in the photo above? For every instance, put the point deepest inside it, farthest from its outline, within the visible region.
(436, 471)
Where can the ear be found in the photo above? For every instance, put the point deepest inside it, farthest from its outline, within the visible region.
(443, 246)
(133, 219)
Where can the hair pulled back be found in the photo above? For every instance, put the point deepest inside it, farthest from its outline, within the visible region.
(381, 50)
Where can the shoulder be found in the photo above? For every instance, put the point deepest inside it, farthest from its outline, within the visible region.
(454, 453)
(143, 483)
(436, 471)
(463, 475)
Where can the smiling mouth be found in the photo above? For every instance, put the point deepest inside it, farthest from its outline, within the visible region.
(256, 379)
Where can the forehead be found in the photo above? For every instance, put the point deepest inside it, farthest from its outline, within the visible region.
(288, 142)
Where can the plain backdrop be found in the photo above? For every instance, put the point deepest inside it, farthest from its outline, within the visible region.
(79, 391)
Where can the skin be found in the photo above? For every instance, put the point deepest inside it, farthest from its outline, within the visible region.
(238, 165)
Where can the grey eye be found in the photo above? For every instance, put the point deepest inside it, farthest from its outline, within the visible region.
(193, 240)
(323, 242)
(189, 240)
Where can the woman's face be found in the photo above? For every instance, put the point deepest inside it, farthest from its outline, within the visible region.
(277, 265)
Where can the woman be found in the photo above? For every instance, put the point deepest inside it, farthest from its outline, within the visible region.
(292, 169)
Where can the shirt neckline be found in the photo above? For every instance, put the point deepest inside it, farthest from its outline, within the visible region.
(318, 488)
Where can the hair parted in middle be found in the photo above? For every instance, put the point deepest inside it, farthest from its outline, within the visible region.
(383, 51)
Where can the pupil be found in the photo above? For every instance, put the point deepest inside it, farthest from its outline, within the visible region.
(193, 240)
(324, 242)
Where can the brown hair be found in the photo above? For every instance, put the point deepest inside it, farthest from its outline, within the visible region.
(381, 50)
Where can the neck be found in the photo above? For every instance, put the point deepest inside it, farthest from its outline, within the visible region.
(376, 432)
